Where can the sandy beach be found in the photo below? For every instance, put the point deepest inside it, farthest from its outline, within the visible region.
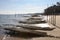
(51, 35)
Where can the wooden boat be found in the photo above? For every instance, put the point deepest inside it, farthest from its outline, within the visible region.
(31, 25)
(24, 30)
(36, 23)
(41, 26)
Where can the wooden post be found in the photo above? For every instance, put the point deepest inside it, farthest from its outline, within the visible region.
(47, 18)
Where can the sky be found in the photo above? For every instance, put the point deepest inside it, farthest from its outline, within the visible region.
(25, 6)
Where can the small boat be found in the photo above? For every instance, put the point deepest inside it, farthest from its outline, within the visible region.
(14, 28)
(41, 26)
(36, 23)
(23, 30)
(32, 24)
(33, 20)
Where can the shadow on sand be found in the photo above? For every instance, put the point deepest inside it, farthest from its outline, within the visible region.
(29, 35)
(23, 34)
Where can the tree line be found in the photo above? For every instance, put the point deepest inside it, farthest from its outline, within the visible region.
(53, 10)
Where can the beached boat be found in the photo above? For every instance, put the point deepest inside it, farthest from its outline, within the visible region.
(13, 28)
(36, 23)
(41, 26)
(23, 30)
(31, 25)
(33, 20)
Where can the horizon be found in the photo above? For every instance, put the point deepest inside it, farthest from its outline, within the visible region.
(25, 6)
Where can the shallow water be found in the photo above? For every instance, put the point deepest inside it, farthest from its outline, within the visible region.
(10, 19)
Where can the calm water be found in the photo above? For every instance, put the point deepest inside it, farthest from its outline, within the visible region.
(11, 19)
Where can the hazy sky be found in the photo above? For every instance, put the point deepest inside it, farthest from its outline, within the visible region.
(25, 6)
